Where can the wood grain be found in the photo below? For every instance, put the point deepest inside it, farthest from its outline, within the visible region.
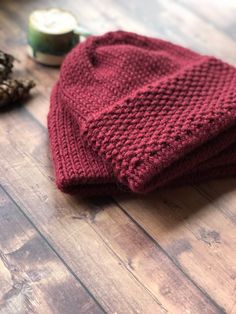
(33, 278)
(195, 233)
(170, 252)
(74, 239)
(155, 281)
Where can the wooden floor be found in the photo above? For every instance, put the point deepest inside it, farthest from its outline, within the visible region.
(173, 251)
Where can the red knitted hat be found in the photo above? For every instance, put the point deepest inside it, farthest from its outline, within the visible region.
(135, 113)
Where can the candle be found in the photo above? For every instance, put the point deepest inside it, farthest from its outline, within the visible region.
(51, 35)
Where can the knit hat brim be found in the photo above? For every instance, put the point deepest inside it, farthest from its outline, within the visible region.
(148, 133)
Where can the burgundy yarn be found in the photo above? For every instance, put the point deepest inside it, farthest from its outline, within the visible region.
(135, 113)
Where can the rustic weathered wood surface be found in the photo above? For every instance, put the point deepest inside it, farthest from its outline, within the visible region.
(173, 251)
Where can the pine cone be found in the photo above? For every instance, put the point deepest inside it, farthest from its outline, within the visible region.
(14, 90)
(6, 65)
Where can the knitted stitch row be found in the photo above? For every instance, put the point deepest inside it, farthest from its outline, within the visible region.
(135, 113)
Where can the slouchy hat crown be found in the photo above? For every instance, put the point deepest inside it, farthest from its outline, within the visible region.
(135, 113)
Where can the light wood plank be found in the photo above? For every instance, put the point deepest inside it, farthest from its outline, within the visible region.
(33, 279)
(195, 233)
(217, 12)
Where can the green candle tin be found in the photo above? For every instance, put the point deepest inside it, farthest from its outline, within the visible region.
(52, 33)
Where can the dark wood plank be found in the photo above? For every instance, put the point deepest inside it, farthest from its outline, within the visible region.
(33, 278)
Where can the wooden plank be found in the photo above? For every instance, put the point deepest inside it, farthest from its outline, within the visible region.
(217, 12)
(33, 278)
(117, 261)
(221, 193)
(195, 233)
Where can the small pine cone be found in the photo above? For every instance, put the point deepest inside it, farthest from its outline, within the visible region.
(14, 90)
(6, 65)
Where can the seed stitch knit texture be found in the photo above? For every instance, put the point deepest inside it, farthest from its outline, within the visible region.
(133, 113)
